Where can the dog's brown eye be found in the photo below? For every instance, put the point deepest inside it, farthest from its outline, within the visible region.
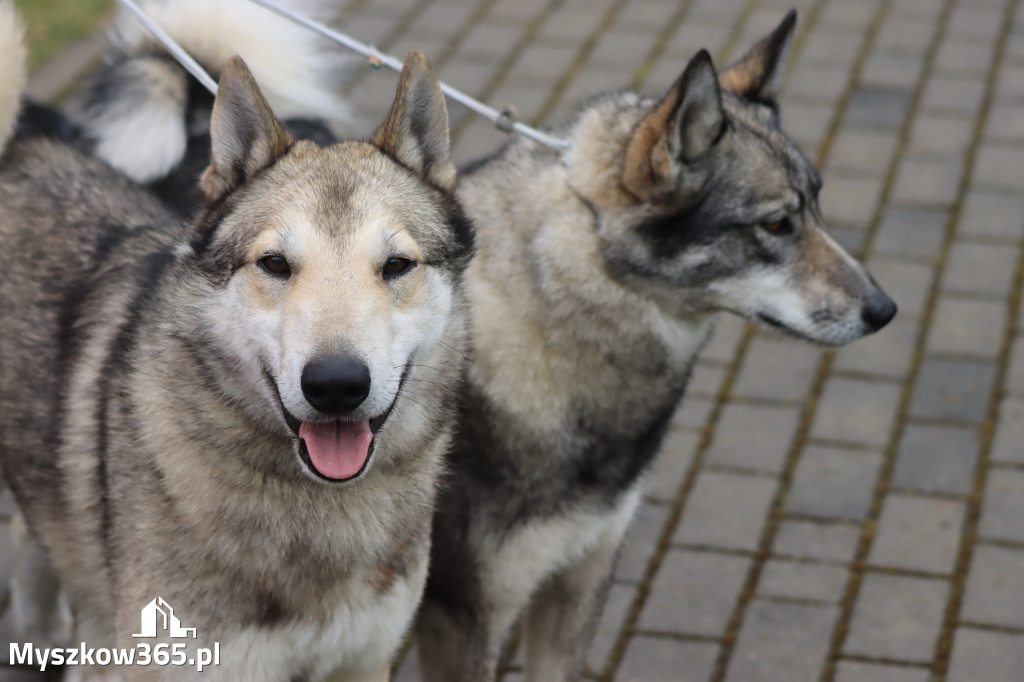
(396, 266)
(276, 265)
(779, 226)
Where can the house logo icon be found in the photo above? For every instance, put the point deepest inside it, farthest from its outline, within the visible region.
(158, 616)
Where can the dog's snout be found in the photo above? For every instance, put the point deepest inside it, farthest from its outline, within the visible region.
(336, 384)
(878, 310)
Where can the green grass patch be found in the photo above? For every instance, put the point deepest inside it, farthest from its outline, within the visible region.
(52, 25)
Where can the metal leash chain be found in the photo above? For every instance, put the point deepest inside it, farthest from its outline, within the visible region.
(505, 121)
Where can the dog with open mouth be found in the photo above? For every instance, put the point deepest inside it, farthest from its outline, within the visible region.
(245, 416)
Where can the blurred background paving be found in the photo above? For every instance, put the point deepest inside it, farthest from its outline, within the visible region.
(852, 515)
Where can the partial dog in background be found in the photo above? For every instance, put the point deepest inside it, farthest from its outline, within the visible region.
(149, 118)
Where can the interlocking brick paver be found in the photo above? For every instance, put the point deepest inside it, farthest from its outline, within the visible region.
(936, 459)
(1009, 83)
(781, 641)
(967, 327)
(999, 165)
(856, 671)
(856, 411)
(776, 369)
(816, 83)
(1004, 505)
(952, 389)
(671, 465)
(980, 268)
(814, 540)
(952, 94)
(897, 617)
(992, 214)
(800, 580)
(1003, 124)
(995, 587)
(887, 354)
(940, 134)
(755, 437)
(808, 123)
(980, 656)
(656, 659)
(694, 413)
(849, 200)
(1015, 375)
(706, 380)
(862, 150)
(694, 593)
(833, 483)
(726, 510)
(876, 109)
(968, 59)
(832, 47)
(1009, 441)
(918, 534)
(930, 181)
(910, 36)
(891, 70)
(848, 15)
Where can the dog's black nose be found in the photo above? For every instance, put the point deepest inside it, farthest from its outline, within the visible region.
(878, 310)
(336, 384)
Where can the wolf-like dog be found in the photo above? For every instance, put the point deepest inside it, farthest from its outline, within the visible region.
(589, 302)
(146, 116)
(243, 418)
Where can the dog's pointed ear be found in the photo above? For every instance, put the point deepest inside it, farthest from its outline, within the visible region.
(757, 74)
(415, 132)
(680, 129)
(245, 136)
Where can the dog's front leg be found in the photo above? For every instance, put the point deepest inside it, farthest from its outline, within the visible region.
(562, 617)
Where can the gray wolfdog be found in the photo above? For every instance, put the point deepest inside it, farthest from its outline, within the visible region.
(589, 303)
(244, 417)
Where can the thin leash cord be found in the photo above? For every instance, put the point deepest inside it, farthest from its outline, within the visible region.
(176, 50)
(504, 121)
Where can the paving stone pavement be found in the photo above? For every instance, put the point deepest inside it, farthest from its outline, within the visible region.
(851, 515)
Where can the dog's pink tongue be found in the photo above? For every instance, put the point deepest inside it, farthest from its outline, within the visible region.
(338, 450)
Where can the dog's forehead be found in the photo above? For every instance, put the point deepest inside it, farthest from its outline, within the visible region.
(345, 186)
(764, 147)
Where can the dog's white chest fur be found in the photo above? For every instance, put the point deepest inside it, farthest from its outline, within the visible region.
(360, 637)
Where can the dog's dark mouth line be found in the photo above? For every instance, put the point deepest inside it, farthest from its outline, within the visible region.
(776, 323)
(294, 424)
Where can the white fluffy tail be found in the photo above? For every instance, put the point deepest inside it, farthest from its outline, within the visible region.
(12, 69)
(138, 116)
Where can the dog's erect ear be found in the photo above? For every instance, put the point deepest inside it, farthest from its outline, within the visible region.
(245, 137)
(680, 129)
(415, 132)
(756, 75)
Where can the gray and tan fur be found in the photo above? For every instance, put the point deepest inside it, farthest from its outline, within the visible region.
(147, 117)
(155, 378)
(589, 303)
